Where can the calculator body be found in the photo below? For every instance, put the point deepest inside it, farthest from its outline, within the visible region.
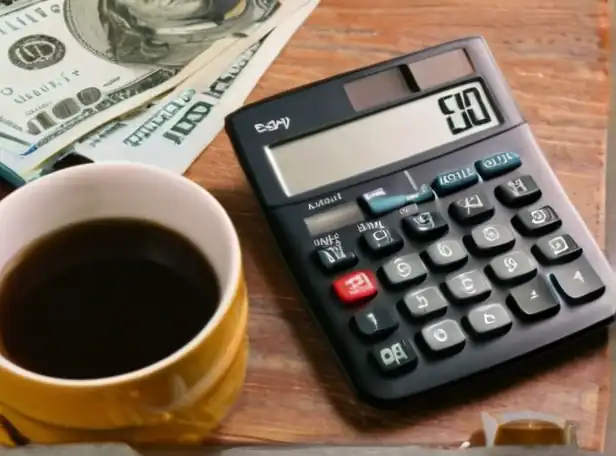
(425, 229)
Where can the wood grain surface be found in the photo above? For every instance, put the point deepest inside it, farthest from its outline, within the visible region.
(554, 56)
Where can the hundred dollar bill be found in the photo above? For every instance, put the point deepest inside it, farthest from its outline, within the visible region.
(174, 131)
(63, 76)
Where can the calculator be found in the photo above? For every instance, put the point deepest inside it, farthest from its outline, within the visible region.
(425, 230)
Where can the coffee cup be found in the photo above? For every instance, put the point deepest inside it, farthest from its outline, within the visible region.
(59, 380)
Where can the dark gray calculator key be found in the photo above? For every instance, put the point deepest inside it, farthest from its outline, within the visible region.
(537, 222)
(578, 282)
(446, 254)
(556, 249)
(336, 258)
(453, 181)
(534, 300)
(491, 239)
(489, 320)
(518, 192)
(497, 165)
(471, 209)
(394, 357)
(404, 270)
(383, 241)
(376, 322)
(426, 303)
(443, 337)
(512, 268)
(425, 225)
(468, 287)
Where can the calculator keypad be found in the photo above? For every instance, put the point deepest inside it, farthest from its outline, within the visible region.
(464, 268)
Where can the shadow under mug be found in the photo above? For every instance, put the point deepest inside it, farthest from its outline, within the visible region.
(179, 399)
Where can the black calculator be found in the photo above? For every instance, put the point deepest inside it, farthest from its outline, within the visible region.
(425, 229)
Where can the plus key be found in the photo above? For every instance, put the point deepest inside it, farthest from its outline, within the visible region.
(355, 287)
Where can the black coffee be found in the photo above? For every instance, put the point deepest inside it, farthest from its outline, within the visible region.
(104, 298)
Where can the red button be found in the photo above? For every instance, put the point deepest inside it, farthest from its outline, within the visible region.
(355, 286)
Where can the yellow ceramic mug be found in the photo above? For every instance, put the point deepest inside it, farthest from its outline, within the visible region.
(178, 399)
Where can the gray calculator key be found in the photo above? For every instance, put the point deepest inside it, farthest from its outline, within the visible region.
(443, 337)
(534, 300)
(512, 268)
(468, 286)
(404, 270)
(383, 241)
(489, 320)
(491, 239)
(578, 282)
(395, 356)
(556, 249)
(447, 254)
(425, 303)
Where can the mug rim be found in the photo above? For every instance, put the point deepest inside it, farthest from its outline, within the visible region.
(229, 289)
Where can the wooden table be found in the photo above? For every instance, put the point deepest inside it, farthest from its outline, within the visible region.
(554, 55)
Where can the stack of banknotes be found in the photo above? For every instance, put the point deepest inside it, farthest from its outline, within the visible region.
(147, 81)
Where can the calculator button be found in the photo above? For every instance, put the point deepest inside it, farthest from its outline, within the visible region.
(556, 249)
(379, 203)
(443, 337)
(471, 209)
(537, 222)
(404, 270)
(375, 323)
(336, 258)
(355, 286)
(469, 286)
(426, 303)
(518, 192)
(578, 282)
(425, 225)
(395, 357)
(512, 268)
(534, 300)
(497, 165)
(383, 241)
(491, 239)
(447, 254)
(489, 320)
(453, 181)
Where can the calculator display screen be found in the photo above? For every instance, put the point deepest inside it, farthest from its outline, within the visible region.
(382, 138)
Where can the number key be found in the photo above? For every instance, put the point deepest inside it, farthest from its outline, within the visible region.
(537, 222)
(491, 239)
(404, 270)
(556, 249)
(512, 268)
(489, 320)
(443, 337)
(470, 286)
(425, 303)
(448, 254)
(376, 322)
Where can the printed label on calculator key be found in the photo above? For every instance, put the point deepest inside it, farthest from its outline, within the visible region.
(498, 164)
(537, 222)
(446, 254)
(489, 320)
(383, 241)
(355, 287)
(426, 303)
(578, 282)
(453, 181)
(534, 300)
(394, 357)
(336, 258)
(491, 239)
(556, 249)
(376, 322)
(471, 209)
(404, 270)
(469, 286)
(512, 268)
(443, 337)
(425, 225)
(518, 192)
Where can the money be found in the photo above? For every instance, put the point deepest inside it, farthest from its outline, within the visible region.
(173, 131)
(63, 77)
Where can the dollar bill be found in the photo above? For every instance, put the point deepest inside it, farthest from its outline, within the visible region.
(63, 76)
(174, 131)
